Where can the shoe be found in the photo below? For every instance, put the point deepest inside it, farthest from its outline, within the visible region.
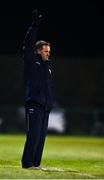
(34, 168)
(40, 168)
(37, 168)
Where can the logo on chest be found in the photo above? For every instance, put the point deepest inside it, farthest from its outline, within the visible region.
(50, 71)
(37, 62)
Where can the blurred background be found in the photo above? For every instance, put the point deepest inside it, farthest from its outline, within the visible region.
(76, 33)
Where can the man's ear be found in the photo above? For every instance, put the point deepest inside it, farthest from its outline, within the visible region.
(38, 51)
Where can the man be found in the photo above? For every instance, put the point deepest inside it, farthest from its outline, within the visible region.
(38, 94)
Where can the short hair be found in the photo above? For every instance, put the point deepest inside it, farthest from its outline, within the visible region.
(39, 44)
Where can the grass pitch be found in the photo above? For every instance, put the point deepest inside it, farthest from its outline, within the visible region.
(66, 157)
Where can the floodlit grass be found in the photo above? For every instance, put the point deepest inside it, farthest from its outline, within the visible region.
(66, 157)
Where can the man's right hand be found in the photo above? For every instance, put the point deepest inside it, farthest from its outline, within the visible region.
(36, 16)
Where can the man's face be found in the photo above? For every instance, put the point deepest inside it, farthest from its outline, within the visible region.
(44, 52)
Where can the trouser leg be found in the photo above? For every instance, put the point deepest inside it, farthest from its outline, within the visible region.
(39, 150)
(34, 120)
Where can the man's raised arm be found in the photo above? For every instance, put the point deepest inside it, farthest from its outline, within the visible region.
(31, 35)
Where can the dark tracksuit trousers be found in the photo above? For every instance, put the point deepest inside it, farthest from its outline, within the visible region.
(36, 130)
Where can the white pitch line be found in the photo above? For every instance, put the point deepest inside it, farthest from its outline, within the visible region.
(88, 175)
(52, 169)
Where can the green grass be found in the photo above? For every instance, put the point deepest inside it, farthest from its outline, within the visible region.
(66, 157)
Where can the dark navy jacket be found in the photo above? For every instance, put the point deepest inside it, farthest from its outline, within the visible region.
(37, 73)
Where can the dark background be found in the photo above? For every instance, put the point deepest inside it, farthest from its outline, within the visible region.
(75, 28)
(76, 32)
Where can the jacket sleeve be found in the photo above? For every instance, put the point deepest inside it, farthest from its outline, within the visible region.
(30, 39)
